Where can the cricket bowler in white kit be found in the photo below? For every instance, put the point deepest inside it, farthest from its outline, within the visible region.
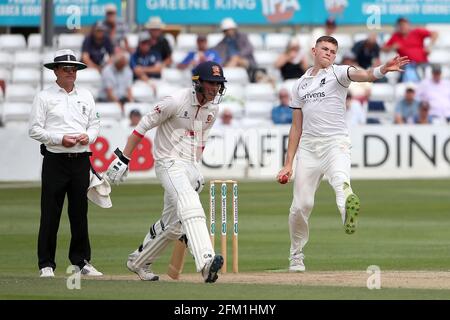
(183, 120)
(320, 138)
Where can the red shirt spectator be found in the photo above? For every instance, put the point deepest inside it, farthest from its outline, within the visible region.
(410, 42)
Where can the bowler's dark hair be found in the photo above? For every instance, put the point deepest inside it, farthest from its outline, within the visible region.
(327, 39)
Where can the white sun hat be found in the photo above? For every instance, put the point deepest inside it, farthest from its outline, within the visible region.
(99, 190)
(65, 57)
(228, 23)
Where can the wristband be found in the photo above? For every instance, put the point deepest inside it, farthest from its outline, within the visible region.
(121, 156)
(138, 134)
(377, 72)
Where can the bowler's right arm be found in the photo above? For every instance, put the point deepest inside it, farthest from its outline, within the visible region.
(294, 139)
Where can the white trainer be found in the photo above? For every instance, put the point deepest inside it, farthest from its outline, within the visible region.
(145, 273)
(296, 263)
(46, 272)
(89, 270)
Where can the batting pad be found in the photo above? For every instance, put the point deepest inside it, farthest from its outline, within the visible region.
(190, 212)
(156, 245)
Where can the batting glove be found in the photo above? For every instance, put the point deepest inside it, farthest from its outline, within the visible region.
(199, 184)
(118, 169)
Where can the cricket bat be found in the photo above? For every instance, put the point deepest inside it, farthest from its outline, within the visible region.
(177, 260)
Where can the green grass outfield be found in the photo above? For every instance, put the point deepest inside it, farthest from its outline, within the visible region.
(404, 225)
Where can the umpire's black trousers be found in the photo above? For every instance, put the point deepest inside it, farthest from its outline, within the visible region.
(64, 174)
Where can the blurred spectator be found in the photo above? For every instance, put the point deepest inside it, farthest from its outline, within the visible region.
(355, 114)
(2, 87)
(227, 117)
(227, 120)
(135, 116)
(410, 42)
(360, 91)
(330, 26)
(329, 29)
(423, 117)
(117, 79)
(235, 49)
(349, 58)
(202, 54)
(367, 52)
(116, 28)
(97, 48)
(407, 108)
(160, 43)
(292, 62)
(282, 114)
(436, 91)
(146, 62)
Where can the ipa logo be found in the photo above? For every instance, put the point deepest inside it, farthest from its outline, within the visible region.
(279, 10)
(73, 281)
(336, 6)
(374, 280)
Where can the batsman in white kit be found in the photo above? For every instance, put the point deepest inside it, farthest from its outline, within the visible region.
(183, 120)
(320, 138)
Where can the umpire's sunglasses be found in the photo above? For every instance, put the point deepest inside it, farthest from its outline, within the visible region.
(69, 69)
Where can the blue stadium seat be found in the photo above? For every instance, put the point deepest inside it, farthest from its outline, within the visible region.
(376, 106)
(373, 121)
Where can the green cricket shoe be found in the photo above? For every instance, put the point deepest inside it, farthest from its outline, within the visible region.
(352, 205)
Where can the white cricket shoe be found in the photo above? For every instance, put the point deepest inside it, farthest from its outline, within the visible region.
(89, 270)
(145, 273)
(211, 268)
(46, 272)
(296, 263)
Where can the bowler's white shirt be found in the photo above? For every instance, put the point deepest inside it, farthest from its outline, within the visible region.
(183, 126)
(56, 113)
(322, 100)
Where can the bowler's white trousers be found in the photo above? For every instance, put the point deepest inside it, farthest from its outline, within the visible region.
(317, 157)
(182, 214)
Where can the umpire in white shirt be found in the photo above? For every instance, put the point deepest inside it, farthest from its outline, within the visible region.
(64, 120)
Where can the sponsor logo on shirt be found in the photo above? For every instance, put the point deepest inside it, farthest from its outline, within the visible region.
(185, 115)
(313, 95)
(209, 118)
(83, 107)
(322, 82)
